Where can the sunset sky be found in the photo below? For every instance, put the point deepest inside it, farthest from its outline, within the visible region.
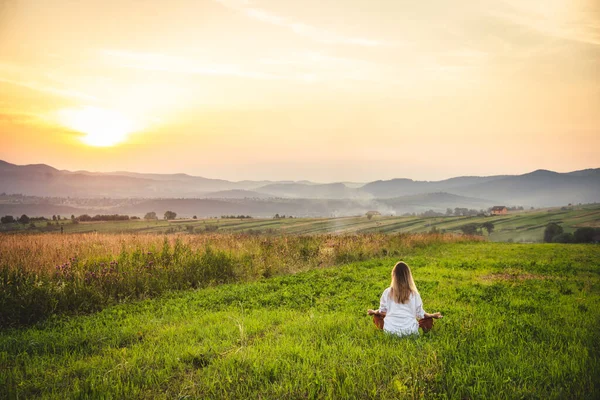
(337, 90)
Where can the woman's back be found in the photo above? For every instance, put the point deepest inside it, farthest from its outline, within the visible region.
(401, 304)
(401, 318)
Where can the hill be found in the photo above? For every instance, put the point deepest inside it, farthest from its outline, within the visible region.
(438, 202)
(312, 191)
(539, 188)
(43, 180)
(542, 188)
(522, 226)
(237, 194)
(256, 204)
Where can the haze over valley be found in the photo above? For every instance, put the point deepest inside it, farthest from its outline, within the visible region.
(42, 190)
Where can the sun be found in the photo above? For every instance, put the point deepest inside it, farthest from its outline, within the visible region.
(102, 127)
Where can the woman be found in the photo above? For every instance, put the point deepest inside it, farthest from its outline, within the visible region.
(401, 304)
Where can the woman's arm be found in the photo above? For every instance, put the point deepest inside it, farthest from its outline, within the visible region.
(420, 311)
(376, 312)
(383, 304)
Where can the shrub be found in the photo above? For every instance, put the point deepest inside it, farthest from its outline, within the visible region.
(8, 219)
(552, 230)
(563, 238)
(470, 229)
(585, 235)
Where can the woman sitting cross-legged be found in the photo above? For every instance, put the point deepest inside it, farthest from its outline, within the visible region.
(401, 304)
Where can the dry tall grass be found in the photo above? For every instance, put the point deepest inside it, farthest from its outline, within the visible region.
(42, 274)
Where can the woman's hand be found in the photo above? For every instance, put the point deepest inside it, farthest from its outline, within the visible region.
(372, 312)
(436, 315)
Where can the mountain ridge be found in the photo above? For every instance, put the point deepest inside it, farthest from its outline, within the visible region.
(536, 188)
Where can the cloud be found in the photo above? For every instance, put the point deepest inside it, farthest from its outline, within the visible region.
(298, 27)
(317, 66)
(305, 67)
(68, 93)
(19, 118)
(555, 19)
(168, 63)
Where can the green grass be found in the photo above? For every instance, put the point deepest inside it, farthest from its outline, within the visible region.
(521, 321)
(523, 226)
(41, 275)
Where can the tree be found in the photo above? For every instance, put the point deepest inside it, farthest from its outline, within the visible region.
(8, 219)
(170, 215)
(54, 218)
(552, 229)
(150, 215)
(24, 219)
(489, 227)
(584, 235)
(195, 217)
(470, 229)
(563, 238)
(449, 211)
(459, 212)
(72, 217)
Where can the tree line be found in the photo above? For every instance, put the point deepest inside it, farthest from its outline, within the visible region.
(554, 233)
(477, 229)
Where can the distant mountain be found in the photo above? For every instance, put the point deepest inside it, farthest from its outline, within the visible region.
(237, 194)
(406, 187)
(538, 188)
(585, 172)
(43, 180)
(312, 191)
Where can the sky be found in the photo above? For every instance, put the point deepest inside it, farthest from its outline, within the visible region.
(324, 90)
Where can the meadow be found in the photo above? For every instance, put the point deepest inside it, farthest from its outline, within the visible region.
(520, 321)
(519, 226)
(43, 275)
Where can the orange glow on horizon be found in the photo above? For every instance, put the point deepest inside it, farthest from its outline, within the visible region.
(301, 90)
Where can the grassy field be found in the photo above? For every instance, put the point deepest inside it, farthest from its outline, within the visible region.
(521, 321)
(524, 226)
(42, 275)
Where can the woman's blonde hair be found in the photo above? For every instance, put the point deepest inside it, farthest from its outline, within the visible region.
(402, 283)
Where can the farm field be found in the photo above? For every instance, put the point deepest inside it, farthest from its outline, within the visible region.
(520, 321)
(523, 226)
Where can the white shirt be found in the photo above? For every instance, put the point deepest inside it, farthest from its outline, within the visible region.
(401, 319)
